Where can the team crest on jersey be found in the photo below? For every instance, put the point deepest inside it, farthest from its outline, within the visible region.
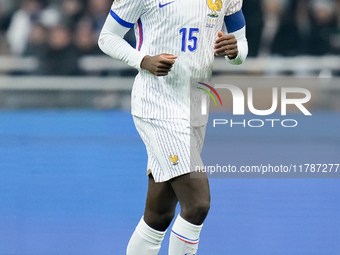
(215, 7)
(116, 1)
(174, 159)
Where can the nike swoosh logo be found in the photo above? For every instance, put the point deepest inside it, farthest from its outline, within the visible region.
(163, 5)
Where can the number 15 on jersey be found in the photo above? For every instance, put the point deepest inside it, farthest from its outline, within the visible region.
(189, 38)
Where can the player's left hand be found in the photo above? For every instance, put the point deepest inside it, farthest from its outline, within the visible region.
(226, 45)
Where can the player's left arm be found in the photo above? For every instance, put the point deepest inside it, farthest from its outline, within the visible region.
(233, 44)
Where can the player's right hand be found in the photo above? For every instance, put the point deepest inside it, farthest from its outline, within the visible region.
(159, 65)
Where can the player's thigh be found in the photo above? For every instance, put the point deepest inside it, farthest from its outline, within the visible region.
(192, 192)
(161, 198)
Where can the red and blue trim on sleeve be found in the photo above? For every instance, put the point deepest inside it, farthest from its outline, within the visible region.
(130, 25)
(121, 21)
(140, 29)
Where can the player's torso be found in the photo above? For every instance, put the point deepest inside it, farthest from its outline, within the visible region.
(181, 26)
(187, 29)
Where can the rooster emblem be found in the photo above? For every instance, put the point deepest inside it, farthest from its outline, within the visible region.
(214, 7)
(174, 159)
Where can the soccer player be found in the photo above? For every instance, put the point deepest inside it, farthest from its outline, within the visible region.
(176, 44)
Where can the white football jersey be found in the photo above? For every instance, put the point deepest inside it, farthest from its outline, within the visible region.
(184, 28)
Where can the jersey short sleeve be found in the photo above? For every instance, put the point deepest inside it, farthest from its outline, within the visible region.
(233, 7)
(127, 12)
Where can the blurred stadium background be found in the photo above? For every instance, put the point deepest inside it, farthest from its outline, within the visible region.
(72, 179)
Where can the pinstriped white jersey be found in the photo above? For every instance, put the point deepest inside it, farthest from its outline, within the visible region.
(185, 28)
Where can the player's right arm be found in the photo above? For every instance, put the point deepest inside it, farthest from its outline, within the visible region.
(112, 43)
